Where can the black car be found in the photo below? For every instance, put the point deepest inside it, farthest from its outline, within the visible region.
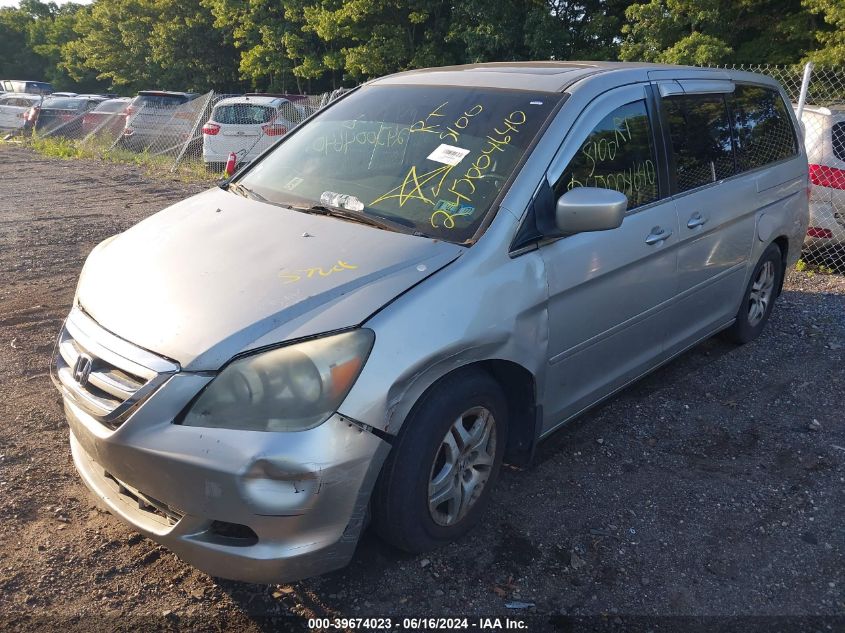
(61, 116)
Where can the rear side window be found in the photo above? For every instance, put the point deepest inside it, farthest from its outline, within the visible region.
(701, 139)
(838, 132)
(242, 114)
(618, 154)
(763, 128)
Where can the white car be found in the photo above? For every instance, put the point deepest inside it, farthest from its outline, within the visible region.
(824, 138)
(247, 126)
(13, 109)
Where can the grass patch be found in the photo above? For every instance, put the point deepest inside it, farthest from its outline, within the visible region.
(153, 165)
(813, 266)
(56, 147)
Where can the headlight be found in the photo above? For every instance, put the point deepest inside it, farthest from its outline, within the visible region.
(291, 388)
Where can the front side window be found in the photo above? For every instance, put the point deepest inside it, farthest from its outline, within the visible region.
(763, 128)
(701, 139)
(430, 158)
(618, 154)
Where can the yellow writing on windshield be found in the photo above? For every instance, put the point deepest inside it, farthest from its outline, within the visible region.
(387, 135)
(451, 131)
(416, 186)
(464, 187)
(423, 125)
(412, 187)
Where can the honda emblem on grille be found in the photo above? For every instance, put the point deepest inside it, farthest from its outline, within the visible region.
(82, 369)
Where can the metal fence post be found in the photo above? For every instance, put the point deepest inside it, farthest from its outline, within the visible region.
(805, 86)
(198, 122)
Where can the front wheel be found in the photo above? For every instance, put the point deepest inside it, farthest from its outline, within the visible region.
(437, 480)
(759, 298)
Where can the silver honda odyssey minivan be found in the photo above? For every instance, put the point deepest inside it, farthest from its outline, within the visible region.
(419, 283)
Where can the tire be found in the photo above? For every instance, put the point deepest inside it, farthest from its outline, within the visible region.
(419, 463)
(759, 297)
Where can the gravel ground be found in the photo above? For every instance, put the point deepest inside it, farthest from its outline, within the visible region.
(714, 487)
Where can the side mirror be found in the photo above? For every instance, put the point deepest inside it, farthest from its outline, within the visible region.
(590, 209)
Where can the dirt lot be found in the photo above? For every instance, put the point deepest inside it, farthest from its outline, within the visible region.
(714, 487)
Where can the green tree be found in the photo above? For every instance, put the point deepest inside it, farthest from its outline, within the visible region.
(832, 36)
(152, 44)
(262, 32)
(716, 31)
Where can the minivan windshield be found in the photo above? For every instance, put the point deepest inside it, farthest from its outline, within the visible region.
(432, 158)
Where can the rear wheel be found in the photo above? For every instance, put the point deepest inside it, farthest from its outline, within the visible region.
(759, 298)
(437, 481)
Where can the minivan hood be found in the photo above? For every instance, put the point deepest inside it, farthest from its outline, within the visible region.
(217, 274)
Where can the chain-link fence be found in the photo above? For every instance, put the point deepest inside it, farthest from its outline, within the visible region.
(823, 120)
(200, 135)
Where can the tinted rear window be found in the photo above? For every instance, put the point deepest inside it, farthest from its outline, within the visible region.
(701, 139)
(158, 101)
(242, 114)
(838, 132)
(63, 104)
(111, 106)
(763, 128)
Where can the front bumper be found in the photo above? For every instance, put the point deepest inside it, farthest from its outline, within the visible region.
(245, 505)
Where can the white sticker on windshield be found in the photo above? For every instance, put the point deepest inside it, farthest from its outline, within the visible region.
(293, 183)
(448, 154)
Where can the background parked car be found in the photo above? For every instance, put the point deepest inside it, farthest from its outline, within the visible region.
(61, 115)
(158, 116)
(28, 87)
(824, 137)
(13, 109)
(109, 117)
(247, 126)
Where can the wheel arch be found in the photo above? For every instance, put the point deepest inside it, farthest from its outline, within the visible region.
(782, 242)
(518, 386)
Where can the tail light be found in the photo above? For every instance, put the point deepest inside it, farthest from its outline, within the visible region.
(274, 129)
(210, 129)
(815, 231)
(825, 176)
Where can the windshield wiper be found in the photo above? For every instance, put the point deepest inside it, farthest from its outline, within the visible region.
(241, 190)
(356, 216)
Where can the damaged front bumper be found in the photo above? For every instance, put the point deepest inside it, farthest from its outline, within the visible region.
(259, 515)
(246, 505)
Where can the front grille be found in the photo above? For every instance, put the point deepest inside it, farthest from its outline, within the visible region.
(103, 382)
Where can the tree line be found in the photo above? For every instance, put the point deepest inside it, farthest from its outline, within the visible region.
(318, 45)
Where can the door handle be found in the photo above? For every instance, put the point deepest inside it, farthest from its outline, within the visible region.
(657, 235)
(696, 220)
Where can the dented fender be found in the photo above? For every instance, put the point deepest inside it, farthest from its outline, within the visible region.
(489, 307)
